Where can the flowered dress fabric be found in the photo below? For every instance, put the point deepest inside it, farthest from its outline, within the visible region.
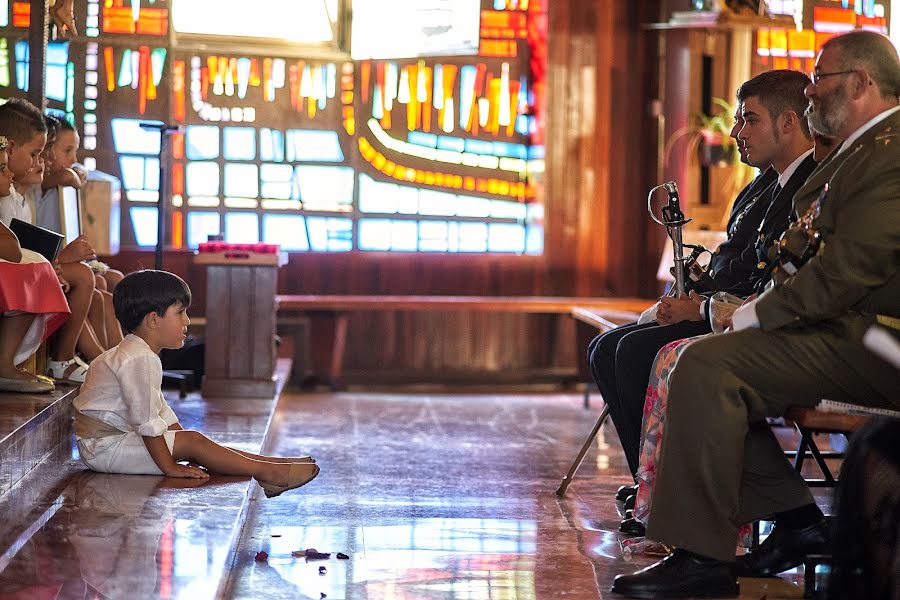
(651, 440)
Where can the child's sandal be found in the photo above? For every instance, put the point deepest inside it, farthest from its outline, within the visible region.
(297, 477)
(57, 370)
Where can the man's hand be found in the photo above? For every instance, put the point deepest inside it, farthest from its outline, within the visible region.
(675, 310)
(186, 471)
(77, 251)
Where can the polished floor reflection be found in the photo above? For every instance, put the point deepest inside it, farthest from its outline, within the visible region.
(437, 496)
(444, 496)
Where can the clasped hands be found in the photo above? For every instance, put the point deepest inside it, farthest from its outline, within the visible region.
(671, 310)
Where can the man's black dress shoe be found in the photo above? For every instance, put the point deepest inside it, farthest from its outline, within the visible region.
(626, 490)
(632, 527)
(784, 549)
(680, 575)
(629, 502)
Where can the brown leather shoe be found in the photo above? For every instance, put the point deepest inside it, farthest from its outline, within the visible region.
(26, 386)
(299, 475)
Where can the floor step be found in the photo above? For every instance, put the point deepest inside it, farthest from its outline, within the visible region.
(31, 427)
(72, 533)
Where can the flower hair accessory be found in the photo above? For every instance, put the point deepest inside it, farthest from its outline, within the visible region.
(4, 142)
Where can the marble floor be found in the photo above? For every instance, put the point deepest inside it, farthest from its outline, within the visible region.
(440, 496)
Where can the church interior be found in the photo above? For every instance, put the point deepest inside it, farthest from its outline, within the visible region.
(402, 224)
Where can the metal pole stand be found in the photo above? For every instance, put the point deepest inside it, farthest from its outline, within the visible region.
(561, 491)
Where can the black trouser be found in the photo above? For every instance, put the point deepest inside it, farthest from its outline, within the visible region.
(620, 361)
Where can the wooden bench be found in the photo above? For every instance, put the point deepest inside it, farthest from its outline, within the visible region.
(329, 316)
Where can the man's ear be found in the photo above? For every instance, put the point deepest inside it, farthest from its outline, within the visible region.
(789, 121)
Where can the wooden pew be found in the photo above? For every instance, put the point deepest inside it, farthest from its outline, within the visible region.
(330, 314)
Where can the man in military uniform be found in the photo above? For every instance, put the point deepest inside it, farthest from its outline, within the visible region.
(797, 343)
(621, 359)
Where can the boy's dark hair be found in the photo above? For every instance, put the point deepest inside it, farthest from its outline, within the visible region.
(779, 91)
(143, 292)
(20, 121)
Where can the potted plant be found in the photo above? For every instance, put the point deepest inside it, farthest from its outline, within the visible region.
(709, 137)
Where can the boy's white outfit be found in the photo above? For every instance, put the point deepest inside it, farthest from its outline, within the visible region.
(121, 401)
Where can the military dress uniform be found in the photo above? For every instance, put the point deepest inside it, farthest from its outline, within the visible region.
(621, 367)
(714, 463)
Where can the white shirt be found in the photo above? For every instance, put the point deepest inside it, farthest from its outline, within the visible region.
(14, 206)
(123, 388)
(745, 316)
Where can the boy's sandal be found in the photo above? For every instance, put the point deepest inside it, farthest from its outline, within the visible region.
(57, 370)
(299, 475)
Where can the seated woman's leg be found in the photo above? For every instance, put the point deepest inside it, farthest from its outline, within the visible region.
(112, 277)
(113, 329)
(12, 330)
(97, 318)
(62, 347)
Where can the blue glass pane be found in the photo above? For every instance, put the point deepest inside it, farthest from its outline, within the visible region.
(241, 180)
(239, 143)
(473, 206)
(201, 142)
(374, 234)
(506, 237)
(143, 220)
(201, 225)
(323, 186)
(133, 172)
(534, 239)
(433, 236)
(202, 178)
(508, 210)
(151, 174)
(242, 228)
(387, 234)
(56, 82)
(276, 181)
(473, 237)
(312, 144)
(271, 145)
(436, 203)
(129, 138)
(377, 197)
(289, 231)
(330, 234)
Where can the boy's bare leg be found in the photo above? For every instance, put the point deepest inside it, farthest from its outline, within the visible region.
(274, 459)
(97, 318)
(196, 447)
(12, 330)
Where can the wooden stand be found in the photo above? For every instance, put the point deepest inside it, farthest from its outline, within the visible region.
(240, 330)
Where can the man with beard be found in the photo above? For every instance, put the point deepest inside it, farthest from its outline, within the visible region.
(797, 343)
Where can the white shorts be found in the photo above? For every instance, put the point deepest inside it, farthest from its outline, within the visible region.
(121, 454)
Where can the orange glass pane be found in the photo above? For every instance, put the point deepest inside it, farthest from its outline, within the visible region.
(21, 14)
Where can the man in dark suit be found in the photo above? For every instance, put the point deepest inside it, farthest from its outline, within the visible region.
(797, 343)
(621, 359)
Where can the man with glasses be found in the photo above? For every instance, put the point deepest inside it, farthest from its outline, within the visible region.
(796, 344)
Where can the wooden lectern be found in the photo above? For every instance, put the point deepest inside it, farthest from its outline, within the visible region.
(240, 322)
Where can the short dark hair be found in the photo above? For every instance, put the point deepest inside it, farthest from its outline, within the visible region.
(780, 90)
(20, 120)
(873, 52)
(143, 292)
